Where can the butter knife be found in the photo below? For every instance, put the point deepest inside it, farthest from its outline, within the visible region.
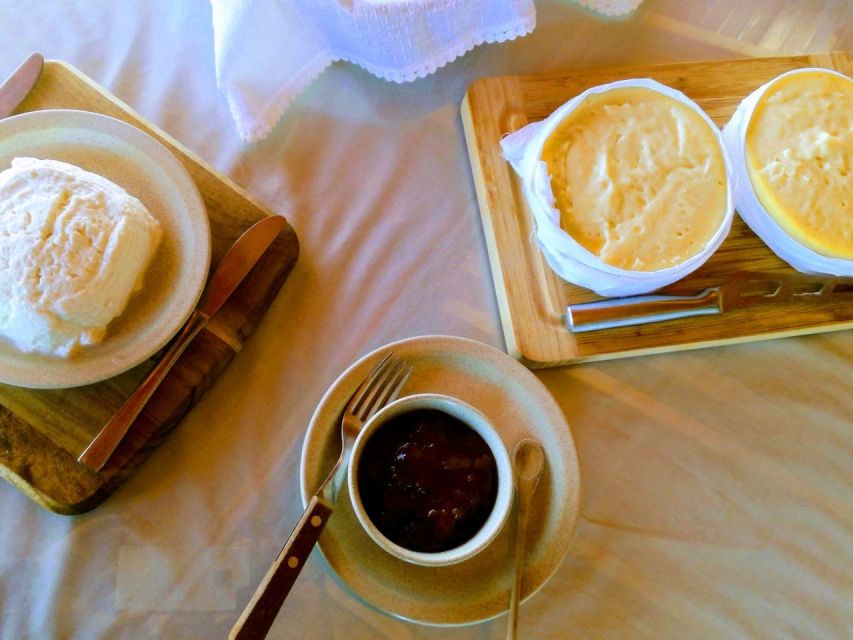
(742, 289)
(233, 268)
(16, 87)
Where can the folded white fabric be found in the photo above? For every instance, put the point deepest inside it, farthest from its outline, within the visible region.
(611, 8)
(267, 51)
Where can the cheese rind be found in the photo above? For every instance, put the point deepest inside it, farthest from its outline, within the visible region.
(799, 157)
(638, 177)
(73, 248)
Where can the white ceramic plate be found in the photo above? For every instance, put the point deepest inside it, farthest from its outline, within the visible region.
(175, 278)
(519, 406)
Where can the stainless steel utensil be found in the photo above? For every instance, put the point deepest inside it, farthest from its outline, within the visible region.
(743, 288)
(378, 389)
(233, 268)
(528, 462)
(18, 85)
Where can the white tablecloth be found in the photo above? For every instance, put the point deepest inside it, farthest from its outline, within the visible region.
(716, 483)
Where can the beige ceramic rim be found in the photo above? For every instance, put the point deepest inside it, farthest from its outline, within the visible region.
(519, 406)
(477, 422)
(177, 274)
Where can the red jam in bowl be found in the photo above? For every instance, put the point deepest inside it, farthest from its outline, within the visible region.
(427, 480)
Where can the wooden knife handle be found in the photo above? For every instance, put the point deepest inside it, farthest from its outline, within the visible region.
(621, 312)
(257, 618)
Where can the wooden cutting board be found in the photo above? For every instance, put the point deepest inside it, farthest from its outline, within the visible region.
(42, 432)
(532, 299)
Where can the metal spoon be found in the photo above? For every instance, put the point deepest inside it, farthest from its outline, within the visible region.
(528, 461)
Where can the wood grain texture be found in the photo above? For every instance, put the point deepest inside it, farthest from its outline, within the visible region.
(42, 432)
(532, 298)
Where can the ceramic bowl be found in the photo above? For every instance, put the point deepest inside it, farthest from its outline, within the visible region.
(477, 422)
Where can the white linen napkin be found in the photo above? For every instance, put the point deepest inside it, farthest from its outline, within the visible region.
(267, 51)
(611, 8)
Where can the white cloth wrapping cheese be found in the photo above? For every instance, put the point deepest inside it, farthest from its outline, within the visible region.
(570, 260)
(267, 51)
(751, 210)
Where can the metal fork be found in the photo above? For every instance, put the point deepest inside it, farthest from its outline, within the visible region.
(381, 386)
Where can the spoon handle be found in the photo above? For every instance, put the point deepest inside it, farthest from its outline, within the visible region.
(518, 571)
(528, 462)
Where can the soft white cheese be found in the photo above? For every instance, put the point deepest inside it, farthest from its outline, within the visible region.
(73, 248)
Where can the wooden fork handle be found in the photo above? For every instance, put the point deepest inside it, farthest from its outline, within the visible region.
(257, 618)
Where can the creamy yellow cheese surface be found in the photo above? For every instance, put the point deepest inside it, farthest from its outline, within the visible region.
(638, 177)
(799, 155)
(73, 248)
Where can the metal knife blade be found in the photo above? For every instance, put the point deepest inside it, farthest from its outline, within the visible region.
(238, 261)
(743, 288)
(20, 83)
(232, 270)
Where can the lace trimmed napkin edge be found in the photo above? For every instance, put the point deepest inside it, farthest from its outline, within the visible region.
(253, 129)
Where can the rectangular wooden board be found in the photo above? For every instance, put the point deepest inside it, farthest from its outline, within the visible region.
(42, 432)
(532, 299)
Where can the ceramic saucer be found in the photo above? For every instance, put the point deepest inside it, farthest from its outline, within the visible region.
(519, 406)
(175, 278)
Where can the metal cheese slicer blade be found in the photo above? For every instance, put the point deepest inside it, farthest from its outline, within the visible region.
(743, 288)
